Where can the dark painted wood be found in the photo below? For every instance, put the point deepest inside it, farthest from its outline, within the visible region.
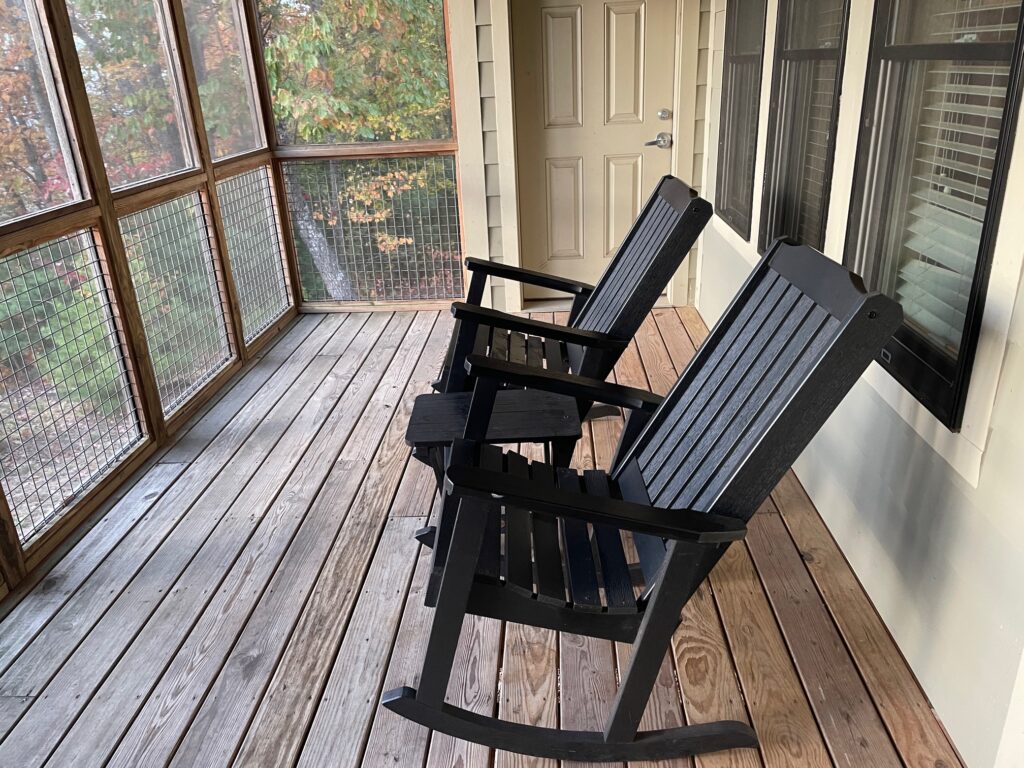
(579, 555)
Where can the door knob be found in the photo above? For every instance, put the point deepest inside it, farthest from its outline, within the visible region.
(662, 141)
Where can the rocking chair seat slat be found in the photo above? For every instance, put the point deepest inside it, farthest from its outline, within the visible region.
(489, 563)
(517, 348)
(518, 547)
(535, 352)
(499, 344)
(556, 356)
(579, 554)
(618, 584)
(548, 557)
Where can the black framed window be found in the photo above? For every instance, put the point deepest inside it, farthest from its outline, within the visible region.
(741, 96)
(806, 80)
(940, 110)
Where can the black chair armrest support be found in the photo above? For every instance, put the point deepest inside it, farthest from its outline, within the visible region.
(678, 524)
(529, 276)
(496, 319)
(580, 387)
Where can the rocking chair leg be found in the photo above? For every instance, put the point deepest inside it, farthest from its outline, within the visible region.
(456, 582)
(682, 571)
(442, 542)
(561, 452)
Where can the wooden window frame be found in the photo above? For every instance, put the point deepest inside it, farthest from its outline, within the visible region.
(908, 357)
(784, 53)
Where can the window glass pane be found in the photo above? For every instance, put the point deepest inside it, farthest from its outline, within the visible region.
(741, 94)
(800, 158)
(345, 71)
(814, 24)
(937, 149)
(179, 296)
(133, 88)
(254, 249)
(37, 170)
(220, 55)
(954, 21)
(376, 230)
(67, 411)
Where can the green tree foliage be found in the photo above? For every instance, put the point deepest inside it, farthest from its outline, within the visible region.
(364, 71)
(344, 71)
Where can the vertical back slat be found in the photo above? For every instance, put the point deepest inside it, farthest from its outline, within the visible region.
(664, 232)
(799, 333)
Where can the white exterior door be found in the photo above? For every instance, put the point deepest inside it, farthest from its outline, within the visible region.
(593, 84)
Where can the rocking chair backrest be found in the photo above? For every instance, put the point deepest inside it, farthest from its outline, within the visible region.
(796, 338)
(650, 254)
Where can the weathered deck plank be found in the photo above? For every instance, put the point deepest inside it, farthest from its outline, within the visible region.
(249, 597)
(27, 618)
(147, 623)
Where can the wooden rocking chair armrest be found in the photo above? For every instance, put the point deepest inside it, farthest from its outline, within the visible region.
(680, 524)
(496, 319)
(582, 387)
(529, 276)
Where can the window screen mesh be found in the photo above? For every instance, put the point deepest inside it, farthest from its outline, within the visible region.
(383, 229)
(254, 249)
(67, 409)
(177, 287)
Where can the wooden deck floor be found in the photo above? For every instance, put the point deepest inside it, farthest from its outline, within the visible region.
(249, 597)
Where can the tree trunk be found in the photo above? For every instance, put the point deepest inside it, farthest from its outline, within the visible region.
(336, 281)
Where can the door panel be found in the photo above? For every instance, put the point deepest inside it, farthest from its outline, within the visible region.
(624, 62)
(563, 83)
(590, 79)
(622, 185)
(565, 207)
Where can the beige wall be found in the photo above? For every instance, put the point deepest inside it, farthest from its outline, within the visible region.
(931, 522)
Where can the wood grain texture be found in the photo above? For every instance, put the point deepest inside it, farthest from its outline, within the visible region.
(242, 644)
(298, 638)
(144, 625)
(779, 710)
(393, 740)
(337, 735)
(151, 556)
(78, 614)
(851, 725)
(294, 526)
(919, 738)
(473, 686)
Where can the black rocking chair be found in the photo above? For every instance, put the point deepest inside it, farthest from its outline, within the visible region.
(797, 336)
(602, 321)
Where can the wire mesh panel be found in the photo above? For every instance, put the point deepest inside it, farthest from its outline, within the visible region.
(379, 229)
(179, 297)
(254, 249)
(67, 410)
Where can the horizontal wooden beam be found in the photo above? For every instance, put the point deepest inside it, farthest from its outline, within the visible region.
(48, 229)
(368, 151)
